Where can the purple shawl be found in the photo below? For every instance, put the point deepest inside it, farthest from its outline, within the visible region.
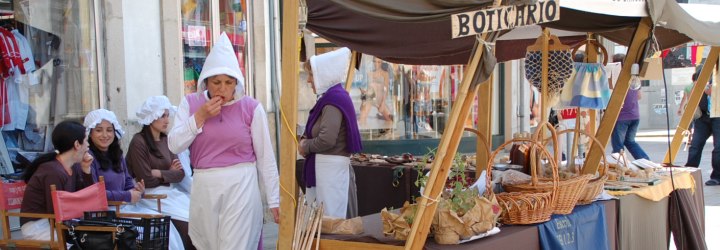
(339, 98)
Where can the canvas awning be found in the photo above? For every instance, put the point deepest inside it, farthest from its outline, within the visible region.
(418, 31)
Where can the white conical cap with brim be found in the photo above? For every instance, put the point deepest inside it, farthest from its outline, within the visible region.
(222, 60)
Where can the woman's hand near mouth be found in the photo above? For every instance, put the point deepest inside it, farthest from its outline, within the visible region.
(208, 110)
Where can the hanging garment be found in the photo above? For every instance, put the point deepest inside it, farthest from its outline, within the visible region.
(4, 107)
(587, 87)
(560, 68)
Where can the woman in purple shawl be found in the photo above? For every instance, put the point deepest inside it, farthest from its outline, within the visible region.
(331, 133)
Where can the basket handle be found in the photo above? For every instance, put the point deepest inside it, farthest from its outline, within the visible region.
(538, 136)
(480, 137)
(596, 142)
(539, 146)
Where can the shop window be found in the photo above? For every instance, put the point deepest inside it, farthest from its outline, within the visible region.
(197, 33)
(396, 102)
(49, 73)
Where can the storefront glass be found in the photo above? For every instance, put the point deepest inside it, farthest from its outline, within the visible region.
(196, 35)
(197, 23)
(396, 102)
(49, 73)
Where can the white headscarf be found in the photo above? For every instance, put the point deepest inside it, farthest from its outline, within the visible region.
(329, 69)
(153, 108)
(222, 60)
(95, 117)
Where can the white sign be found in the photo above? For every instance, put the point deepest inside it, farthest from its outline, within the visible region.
(196, 35)
(502, 18)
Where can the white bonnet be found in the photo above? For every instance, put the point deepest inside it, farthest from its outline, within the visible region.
(95, 117)
(153, 108)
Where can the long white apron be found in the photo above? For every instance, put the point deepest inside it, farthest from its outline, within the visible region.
(177, 203)
(226, 208)
(36, 230)
(332, 179)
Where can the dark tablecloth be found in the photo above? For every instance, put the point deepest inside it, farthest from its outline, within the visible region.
(510, 237)
(375, 189)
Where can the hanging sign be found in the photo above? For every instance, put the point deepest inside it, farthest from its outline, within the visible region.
(502, 18)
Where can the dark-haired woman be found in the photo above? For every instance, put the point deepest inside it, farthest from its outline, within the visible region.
(55, 168)
(104, 140)
(149, 158)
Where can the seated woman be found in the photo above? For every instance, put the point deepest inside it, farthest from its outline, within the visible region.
(54, 168)
(104, 141)
(150, 159)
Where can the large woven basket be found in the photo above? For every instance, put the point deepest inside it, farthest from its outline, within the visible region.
(526, 207)
(595, 185)
(568, 191)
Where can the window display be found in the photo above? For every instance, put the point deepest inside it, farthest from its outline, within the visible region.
(197, 23)
(49, 73)
(396, 101)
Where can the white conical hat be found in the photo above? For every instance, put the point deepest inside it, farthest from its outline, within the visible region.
(329, 69)
(222, 60)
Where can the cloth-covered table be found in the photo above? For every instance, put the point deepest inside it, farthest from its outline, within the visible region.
(645, 213)
(524, 237)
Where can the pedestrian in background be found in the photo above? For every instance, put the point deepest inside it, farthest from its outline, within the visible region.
(623, 135)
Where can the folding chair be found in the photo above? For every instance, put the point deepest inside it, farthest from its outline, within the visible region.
(11, 196)
(72, 205)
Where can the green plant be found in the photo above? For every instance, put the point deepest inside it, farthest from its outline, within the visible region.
(422, 179)
(460, 197)
(457, 196)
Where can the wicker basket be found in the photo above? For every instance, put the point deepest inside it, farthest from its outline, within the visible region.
(595, 186)
(568, 191)
(524, 207)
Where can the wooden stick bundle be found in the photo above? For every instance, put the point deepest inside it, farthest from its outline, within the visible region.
(308, 222)
(298, 219)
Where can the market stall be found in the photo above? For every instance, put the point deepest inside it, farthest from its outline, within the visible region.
(420, 33)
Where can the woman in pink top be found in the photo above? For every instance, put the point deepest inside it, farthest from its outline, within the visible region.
(230, 152)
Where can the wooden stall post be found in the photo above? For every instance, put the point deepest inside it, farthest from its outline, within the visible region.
(642, 32)
(445, 153)
(591, 57)
(692, 104)
(351, 71)
(288, 109)
(484, 122)
(544, 62)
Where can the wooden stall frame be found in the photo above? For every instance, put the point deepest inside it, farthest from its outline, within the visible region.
(692, 104)
(448, 144)
(607, 123)
(484, 121)
(351, 70)
(288, 108)
(445, 153)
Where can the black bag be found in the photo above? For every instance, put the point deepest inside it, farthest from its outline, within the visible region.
(125, 237)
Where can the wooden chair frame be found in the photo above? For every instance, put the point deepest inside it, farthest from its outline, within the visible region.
(8, 242)
(60, 227)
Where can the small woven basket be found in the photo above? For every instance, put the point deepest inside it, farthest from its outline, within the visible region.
(596, 184)
(568, 191)
(527, 207)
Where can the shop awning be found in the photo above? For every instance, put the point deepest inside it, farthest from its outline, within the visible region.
(418, 31)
